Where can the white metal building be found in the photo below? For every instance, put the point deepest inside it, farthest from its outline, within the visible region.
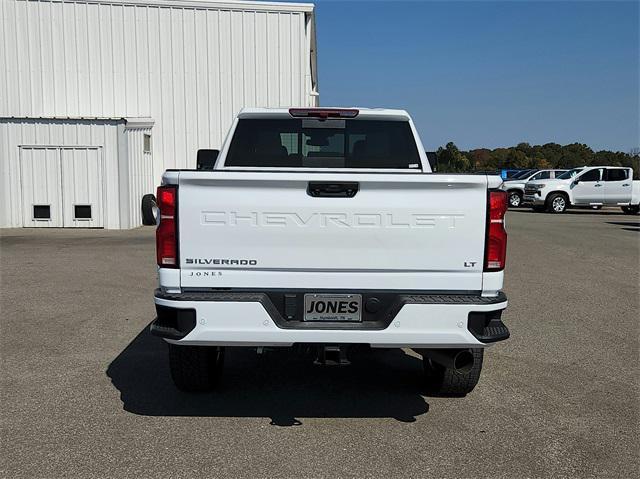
(99, 97)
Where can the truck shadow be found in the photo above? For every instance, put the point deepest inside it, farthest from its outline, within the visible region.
(627, 225)
(577, 211)
(278, 384)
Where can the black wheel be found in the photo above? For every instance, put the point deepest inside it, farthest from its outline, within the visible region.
(444, 381)
(195, 368)
(539, 208)
(515, 199)
(557, 203)
(631, 209)
(148, 203)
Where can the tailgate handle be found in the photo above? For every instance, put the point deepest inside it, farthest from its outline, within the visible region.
(332, 190)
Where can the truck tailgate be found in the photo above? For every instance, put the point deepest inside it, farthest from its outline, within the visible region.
(242, 229)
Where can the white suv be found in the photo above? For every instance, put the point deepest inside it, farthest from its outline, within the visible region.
(515, 186)
(587, 186)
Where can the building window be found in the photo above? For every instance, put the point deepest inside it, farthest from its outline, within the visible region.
(146, 143)
(41, 212)
(82, 212)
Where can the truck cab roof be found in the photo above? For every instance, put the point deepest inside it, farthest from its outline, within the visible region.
(367, 113)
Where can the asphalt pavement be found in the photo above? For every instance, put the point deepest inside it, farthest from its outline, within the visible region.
(85, 389)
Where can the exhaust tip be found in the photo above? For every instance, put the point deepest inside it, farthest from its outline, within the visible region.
(463, 361)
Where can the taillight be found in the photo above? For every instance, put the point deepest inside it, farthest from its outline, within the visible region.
(496, 242)
(324, 112)
(166, 233)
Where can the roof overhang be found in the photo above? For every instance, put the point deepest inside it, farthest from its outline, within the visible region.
(208, 4)
(138, 123)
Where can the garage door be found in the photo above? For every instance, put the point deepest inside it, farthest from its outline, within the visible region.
(62, 187)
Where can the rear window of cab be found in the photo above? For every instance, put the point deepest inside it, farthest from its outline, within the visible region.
(326, 143)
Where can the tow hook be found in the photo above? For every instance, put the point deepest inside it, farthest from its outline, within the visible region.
(332, 355)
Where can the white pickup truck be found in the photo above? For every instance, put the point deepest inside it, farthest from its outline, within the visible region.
(593, 186)
(321, 227)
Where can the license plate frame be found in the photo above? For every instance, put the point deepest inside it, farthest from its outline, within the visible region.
(328, 307)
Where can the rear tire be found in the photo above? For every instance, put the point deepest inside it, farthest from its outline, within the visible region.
(631, 209)
(148, 202)
(195, 368)
(442, 381)
(515, 199)
(557, 203)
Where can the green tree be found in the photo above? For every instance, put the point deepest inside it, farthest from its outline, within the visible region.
(524, 155)
(525, 148)
(552, 152)
(450, 159)
(576, 154)
(517, 158)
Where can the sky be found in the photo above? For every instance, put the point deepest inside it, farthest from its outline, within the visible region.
(488, 74)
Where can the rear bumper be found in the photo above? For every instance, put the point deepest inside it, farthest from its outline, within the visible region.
(252, 319)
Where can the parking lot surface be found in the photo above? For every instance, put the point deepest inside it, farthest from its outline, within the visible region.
(86, 390)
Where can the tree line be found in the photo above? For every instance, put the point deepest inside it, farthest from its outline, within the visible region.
(524, 155)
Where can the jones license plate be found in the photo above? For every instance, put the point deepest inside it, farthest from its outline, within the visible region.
(332, 307)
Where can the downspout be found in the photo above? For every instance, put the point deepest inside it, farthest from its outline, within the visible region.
(312, 82)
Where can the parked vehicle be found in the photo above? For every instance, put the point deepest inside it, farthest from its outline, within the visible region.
(512, 173)
(515, 186)
(593, 186)
(320, 227)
